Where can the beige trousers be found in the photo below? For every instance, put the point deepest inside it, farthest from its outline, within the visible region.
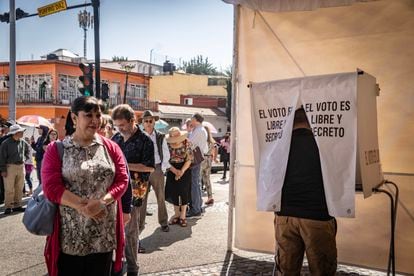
(295, 236)
(13, 186)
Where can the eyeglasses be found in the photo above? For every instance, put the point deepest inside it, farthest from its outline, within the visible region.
(148, 121)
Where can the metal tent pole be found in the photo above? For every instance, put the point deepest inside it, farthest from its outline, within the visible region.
(234, 82)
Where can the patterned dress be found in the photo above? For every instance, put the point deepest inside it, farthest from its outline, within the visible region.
(87, 172)
(178, 192)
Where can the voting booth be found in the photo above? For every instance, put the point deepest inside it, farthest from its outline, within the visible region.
(341, 110)
(309, 57)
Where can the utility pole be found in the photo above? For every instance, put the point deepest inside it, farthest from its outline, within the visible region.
(95, 4)
(12, 63)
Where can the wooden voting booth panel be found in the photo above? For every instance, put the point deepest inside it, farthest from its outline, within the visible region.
(368, 153)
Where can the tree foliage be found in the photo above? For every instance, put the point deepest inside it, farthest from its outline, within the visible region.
(119, 58)
(199, 66)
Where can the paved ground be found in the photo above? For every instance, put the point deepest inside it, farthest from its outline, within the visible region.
(198, 249)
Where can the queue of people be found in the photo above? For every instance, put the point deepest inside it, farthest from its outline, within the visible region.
(101, 182)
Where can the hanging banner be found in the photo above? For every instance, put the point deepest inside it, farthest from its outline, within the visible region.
(273, 110)
(330, 104)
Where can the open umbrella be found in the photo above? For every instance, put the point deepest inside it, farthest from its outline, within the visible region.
(161, 124)
(212, 128)
(34, 121)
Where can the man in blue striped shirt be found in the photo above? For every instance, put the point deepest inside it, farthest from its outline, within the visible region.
(198, 138)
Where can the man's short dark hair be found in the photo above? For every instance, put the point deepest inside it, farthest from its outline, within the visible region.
(199, 118)
(300, 117)
(123, 111)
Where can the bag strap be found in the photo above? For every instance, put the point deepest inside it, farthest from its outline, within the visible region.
(59, 145)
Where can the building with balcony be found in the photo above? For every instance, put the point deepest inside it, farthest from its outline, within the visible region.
(47, 88)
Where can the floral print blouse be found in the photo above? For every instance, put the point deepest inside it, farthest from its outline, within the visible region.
(87, 172)
(182, 153)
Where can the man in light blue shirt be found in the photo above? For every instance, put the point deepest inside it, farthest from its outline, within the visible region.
(156, 180)
(198, 138)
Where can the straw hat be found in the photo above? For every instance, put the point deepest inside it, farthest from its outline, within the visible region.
(148, 114)
(175, 135)
(15, 129)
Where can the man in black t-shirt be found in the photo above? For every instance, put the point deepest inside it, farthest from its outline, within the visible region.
(303, 223)
(138, 150)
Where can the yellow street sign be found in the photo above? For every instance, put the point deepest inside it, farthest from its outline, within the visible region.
(52, 8)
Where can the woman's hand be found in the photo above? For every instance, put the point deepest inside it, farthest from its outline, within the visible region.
(93, 209)
(127, 218)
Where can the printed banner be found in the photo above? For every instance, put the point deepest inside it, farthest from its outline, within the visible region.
(273, 108)
(330, 105)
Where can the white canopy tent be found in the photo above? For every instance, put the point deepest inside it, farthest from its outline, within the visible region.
(271, 43)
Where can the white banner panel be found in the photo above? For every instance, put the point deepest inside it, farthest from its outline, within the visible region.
(273, 109)
(330, 104)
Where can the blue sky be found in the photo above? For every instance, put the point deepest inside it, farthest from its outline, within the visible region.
(178, 29)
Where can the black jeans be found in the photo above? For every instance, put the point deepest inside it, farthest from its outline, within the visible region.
(225, 168)
(98, 264)
(1, 190)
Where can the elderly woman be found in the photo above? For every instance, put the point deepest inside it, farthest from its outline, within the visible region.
(178, 184)
(87, 182)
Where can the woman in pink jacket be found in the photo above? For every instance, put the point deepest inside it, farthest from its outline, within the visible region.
(87, 183)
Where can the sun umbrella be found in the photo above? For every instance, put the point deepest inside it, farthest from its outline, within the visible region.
(161, 124)
(34, 121)
(212, 128)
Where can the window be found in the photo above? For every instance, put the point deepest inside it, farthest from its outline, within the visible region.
(34, 88)
(188, 101)
(68, 89)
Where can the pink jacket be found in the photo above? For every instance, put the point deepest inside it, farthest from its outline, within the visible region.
(53, 189)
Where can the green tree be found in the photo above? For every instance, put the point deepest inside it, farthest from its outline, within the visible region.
(119, 58)
(199, 66)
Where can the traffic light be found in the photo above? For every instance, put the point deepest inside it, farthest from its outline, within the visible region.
(4, 17)
(20, 14)
(86, 79)
(105, 91)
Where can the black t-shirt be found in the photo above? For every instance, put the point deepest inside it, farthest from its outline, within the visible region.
(303, 194)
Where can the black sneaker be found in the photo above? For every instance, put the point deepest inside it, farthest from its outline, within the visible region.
(8, 211)
(19, 209)
(165, 228)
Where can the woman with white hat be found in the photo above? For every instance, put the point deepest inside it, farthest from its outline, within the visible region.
(178, 184)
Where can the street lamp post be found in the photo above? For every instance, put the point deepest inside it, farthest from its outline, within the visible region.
(127, 68)
(85, 22)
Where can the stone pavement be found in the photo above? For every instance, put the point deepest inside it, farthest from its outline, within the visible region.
(262, 265)
(198, 249)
